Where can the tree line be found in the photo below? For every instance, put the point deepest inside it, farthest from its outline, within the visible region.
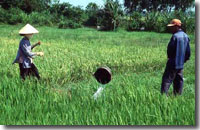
(150, 15)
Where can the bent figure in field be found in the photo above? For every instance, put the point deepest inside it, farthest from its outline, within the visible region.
(25, 55)
(178, 52)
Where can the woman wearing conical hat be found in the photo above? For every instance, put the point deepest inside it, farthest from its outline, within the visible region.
(25, 55)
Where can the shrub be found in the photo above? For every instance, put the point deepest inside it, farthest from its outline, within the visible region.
(3, 15)
(43, 18)
(135, 23)
(91, 21)
(157, 21)
(162, 19)
(150, 20)
(67, 11)
(69, 24)
(14, 16)
(190, 25)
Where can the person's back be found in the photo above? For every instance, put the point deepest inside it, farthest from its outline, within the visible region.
(178, 50)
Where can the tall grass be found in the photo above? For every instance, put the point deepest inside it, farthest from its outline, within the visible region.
(64, 94)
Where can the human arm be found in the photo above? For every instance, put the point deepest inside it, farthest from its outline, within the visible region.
(187, 53)
(36, 44)
(26, 49)
(171, 49)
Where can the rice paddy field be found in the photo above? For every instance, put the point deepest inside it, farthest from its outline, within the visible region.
(64, 95)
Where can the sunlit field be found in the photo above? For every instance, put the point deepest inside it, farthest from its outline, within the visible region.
(64, 95)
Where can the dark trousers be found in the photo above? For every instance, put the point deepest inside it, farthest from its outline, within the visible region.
(172, 75)
(24, 72)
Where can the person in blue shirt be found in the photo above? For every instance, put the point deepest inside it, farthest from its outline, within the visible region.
(25, 55)
(178, 52)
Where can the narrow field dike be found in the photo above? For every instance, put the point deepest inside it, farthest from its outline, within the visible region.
(64, 95)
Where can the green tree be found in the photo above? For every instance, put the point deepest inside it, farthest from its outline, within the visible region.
(109, 17)
(157, 5)
(68, 16)
(91, 11)
(91, 8)
(27, 6)
(183, 5)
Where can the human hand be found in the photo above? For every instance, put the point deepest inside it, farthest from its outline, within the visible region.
(40, 53)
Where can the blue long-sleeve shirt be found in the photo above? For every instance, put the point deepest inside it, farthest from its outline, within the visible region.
(24, 54)
(178, 50)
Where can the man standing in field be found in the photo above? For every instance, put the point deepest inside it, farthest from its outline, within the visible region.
(178, 52)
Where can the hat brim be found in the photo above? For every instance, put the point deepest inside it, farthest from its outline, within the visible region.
(28, 33)
(171, 25)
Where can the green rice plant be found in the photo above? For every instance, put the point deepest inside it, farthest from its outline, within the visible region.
(64, 95)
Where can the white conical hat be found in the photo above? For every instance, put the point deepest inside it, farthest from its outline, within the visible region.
(28, 29)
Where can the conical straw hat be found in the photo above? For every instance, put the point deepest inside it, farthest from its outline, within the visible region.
(28, 29)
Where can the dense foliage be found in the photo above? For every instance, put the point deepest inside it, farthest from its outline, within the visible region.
(91, 12)
(157, 5)
(138, 15)
(27, 6)
(157, 21)
(109, 17)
